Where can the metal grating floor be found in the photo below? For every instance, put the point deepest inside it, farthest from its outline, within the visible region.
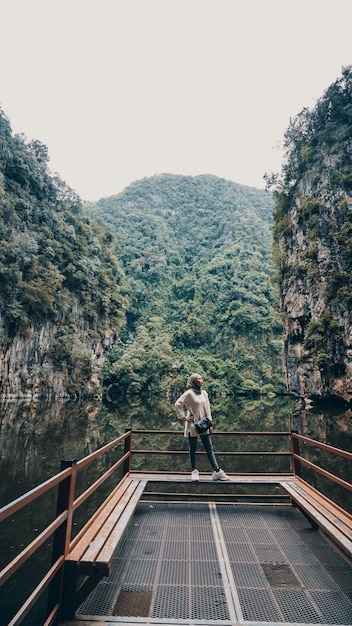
(228, 563)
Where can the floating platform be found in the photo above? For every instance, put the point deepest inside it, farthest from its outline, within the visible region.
(261, 549)
(230, 564)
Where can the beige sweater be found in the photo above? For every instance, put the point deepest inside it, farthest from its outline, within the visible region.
(197, 405)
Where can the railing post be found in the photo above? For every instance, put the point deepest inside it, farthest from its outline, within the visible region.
(62, 535)
(127, 450)
(296, 463)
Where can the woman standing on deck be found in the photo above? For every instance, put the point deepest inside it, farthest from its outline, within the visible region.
(196, 401)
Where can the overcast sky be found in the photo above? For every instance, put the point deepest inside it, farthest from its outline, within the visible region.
(123, 89)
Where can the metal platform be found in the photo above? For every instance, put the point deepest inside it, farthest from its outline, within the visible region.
(228, 564)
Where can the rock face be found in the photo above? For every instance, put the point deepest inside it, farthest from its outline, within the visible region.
(60, 280)
(27, 369)
(318, 324)
(314, 236)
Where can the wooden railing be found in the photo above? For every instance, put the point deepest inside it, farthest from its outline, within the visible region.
(245, 452)
(299, 460)
(60, 528)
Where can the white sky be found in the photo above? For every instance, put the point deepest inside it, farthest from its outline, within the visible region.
(123, 89)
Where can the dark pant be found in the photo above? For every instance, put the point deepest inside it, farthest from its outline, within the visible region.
(208, 446)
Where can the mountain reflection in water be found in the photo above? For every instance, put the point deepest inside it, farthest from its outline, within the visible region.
(34, 437)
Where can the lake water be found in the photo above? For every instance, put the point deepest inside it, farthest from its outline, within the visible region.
(34, 437)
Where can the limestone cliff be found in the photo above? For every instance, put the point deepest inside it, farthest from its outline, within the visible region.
(61, 284)
(313, 233)
(28, 369)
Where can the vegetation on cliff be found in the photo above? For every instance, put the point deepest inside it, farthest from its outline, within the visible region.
(176, 270)
(196, 252)
(313, 242)
(55, 265)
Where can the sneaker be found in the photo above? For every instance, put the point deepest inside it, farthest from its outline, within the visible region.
(220, 475)
(195, 475)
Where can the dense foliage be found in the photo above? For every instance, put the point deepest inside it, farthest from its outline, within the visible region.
(55, 265)
(196, 252)
(177, 269)
(314, 198)
(317, 140)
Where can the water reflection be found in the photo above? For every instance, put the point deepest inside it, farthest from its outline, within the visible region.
(34, 437)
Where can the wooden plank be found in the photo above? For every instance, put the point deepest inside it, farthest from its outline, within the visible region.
(91, 529)
(329, 527)
(213, 496)
(121, 485)
(107, 525)
(319, 515)
(341, 519)
(118, 532)
(337, 510)
(185, 477)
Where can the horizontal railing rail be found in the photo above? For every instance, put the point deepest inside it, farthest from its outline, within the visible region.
(322, 472)
(222, 453)
(100, 451)
(299, 460)
(54, 526)
(60, 528)
(32, 547)
(323, 446)
(33, 494)
(222, 433)
(88, 492)
(151, 452)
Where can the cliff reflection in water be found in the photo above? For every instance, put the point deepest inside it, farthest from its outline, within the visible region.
(34, 437)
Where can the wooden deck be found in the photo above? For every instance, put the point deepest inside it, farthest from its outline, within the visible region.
(93, 555)
(184, 477)
(253, 528)
(80, 562)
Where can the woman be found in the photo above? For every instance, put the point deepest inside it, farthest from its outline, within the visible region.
(196, 400)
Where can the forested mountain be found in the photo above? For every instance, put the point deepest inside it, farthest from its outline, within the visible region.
(172, 275)
(313, 238)
(60, 280)
(196, 252)
(175, 274)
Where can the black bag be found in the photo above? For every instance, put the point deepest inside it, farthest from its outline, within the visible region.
(203, 425)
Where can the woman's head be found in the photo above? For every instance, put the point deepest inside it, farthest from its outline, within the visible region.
(195, 382)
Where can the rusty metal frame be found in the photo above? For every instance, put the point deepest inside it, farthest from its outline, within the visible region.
(299, 460)
(60, 528)
(69, 504)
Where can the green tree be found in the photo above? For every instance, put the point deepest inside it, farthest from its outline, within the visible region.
(197, 253)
